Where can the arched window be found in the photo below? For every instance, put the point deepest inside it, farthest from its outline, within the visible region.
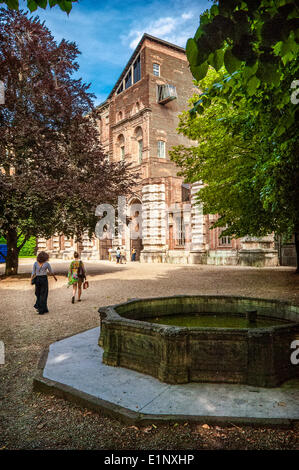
(140, 150)
(121, 146)
(138, 134)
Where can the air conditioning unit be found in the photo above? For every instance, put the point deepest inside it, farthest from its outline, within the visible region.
(166, 93)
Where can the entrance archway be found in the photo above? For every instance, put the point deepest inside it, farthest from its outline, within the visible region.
(105, 244)
(135, 227)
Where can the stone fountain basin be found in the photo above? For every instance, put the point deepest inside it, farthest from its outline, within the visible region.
(253, 356)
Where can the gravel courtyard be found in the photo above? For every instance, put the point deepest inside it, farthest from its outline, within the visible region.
(30, 420)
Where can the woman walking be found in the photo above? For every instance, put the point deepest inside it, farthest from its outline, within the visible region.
(118, 254)
(76, 275)
(40, 280)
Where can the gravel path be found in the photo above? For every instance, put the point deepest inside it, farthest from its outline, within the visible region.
(32, 421)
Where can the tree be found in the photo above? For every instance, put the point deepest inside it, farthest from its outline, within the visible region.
(251, 182)
(225, 157)
(65, 5)
(257, 44)
(262, 34)
(53, 172)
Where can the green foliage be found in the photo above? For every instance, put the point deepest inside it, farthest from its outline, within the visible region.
(257, 39)
(65, 5)
(251, 180)
(53, 171)
(230, 61)
(28, 250)
(249, 105)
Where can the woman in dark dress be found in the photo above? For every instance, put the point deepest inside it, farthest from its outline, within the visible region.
(40, 280)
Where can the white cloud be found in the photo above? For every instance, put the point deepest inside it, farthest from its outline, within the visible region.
(187, 16)
(174, 29)
(107, 32)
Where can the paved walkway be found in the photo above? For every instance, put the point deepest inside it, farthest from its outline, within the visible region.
(77, 362)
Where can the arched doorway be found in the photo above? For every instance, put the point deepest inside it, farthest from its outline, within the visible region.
(135, 227)
(105, 243)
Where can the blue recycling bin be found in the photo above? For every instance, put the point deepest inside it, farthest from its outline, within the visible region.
(3, 251)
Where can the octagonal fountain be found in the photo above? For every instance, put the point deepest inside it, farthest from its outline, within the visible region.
(183, 339)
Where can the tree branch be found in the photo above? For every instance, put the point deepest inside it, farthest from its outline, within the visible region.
(22, 244)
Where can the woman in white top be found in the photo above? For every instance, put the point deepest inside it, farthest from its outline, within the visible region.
(40, 279)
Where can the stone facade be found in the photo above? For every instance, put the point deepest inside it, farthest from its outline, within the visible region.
(138, 123)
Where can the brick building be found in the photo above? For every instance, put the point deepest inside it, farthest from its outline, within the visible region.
(138, 123)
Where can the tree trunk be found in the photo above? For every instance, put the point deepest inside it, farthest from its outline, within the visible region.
(12, 258)
(297, 249)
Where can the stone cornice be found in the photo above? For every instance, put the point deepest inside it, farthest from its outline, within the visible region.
(131, 118)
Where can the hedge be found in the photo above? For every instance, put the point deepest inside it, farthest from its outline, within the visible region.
(28, 249)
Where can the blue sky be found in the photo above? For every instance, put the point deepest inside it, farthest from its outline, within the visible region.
(107, 32)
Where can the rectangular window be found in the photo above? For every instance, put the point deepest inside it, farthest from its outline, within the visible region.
(137, 70)
(225, 241)
(140, 148)
(186, 192)
(120, 88)
(161, 149)
(128, 80)
(180, 237)
(156, 70)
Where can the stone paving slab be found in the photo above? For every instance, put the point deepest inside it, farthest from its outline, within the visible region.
(77, 362)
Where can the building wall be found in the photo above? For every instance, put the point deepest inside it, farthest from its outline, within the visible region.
(174, 70)
(134, 115)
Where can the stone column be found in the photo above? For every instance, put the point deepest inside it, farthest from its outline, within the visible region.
(153, 223)
(258, 251)
(56, 252)
(68, 252)
(41, 244)
(198, 251)
(90, 248)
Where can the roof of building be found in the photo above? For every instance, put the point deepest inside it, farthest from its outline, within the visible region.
(136, 52)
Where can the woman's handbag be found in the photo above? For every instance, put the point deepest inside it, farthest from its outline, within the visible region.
(85, 285)
(33, 281)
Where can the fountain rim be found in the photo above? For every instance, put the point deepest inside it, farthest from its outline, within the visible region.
(112, 316)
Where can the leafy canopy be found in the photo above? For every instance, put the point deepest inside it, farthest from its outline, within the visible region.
(53, 172)
(244, 120)
(65, 5)
(225, 157)
(255, 40)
